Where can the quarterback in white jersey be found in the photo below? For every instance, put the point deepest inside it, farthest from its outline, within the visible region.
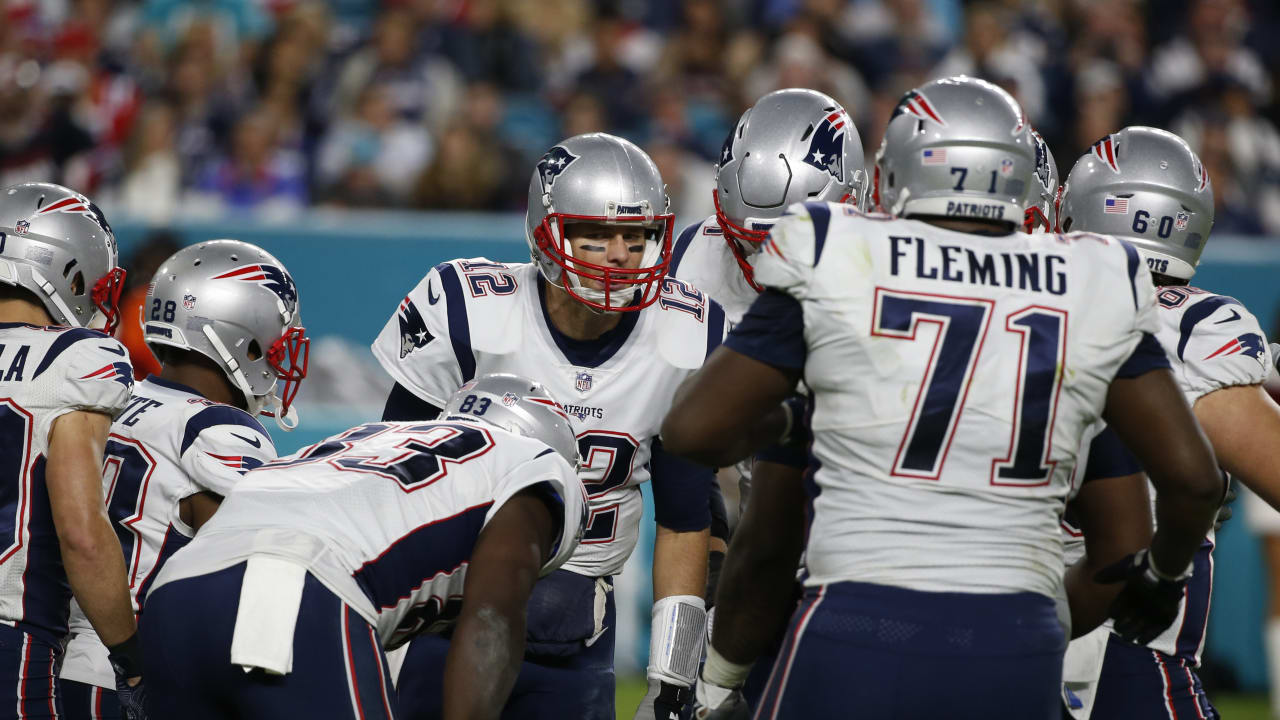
(595, 320)
(1219, 358)
(319, 561)
(956, 365)
(186, 437)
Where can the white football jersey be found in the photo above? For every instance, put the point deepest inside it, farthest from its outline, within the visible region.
(169, 444)
(45, 372)
(469, 318)
(385, 515)
(1212, 342)
(702, 257)
(954, 377)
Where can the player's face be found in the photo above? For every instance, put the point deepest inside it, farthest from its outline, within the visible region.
(619, 245)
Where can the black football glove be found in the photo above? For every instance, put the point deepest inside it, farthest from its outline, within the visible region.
(1148, 604)
(126, 661)
(664, 701)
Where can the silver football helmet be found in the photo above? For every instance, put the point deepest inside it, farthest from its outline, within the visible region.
(793, 145)
(603, 179)
(57, 244)
(1042, 213)
(237, 305)
(957, 147)
(519, 405)
(1147, 186)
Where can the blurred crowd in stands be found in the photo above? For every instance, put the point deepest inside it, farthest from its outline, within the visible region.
(160, 108)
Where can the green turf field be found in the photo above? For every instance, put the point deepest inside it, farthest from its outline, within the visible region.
(1232, 707)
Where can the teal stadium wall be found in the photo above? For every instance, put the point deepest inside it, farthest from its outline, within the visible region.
(353, 268)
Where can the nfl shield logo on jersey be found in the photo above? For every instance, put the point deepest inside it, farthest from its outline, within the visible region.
(582, 381)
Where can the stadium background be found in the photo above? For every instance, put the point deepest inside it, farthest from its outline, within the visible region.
(362, 142)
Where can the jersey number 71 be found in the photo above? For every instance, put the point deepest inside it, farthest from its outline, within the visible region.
(962, 329)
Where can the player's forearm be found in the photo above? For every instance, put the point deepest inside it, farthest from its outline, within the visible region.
(757, 583)
(727, 445)
(1154, 421)
(96, 572)
(90, 550)
(484, 659)
(680, 562)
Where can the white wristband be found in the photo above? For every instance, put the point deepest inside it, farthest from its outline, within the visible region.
(725, 673)
(675, 643)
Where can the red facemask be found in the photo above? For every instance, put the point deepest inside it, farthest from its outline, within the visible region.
(620, 284)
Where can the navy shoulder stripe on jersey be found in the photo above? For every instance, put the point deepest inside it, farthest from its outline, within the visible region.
(772, 331)
(1134, 263)
(1147, 356)
(820, 214)
(218, 415)
(715, 325)
(1198, 312)
(459, 325)
(682, 246)
(438, 547)
(64, 341)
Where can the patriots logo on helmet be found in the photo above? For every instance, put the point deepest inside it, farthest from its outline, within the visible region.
(826, 149)
(413, 329)
(1105, 150)
(1043, 172)
(913, 103)
(270, 277)
(1248, 344)
(119, 372)
(726, 150)
(78, 206)
(552, 164)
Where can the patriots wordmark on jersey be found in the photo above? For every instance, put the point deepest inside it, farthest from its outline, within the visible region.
(468, 318)
(45, 372)
(169, 443)
(955, 376)
(385, 515)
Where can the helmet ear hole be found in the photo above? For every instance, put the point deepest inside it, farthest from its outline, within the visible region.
(1066, 225)
(77, 284)
(254, 351)
(890, 179)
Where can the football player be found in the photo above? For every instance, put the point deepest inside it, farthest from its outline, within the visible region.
(956, 364)
(595, 318)
(317, 562)
(792, 145)
(1148, 187)
(222, 318)
(62, 384)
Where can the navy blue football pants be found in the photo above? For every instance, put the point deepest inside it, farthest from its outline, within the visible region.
(1139, 683)
(894, 654)
(339, 670)
(561, 676)
(29, 686)
(81, 701)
